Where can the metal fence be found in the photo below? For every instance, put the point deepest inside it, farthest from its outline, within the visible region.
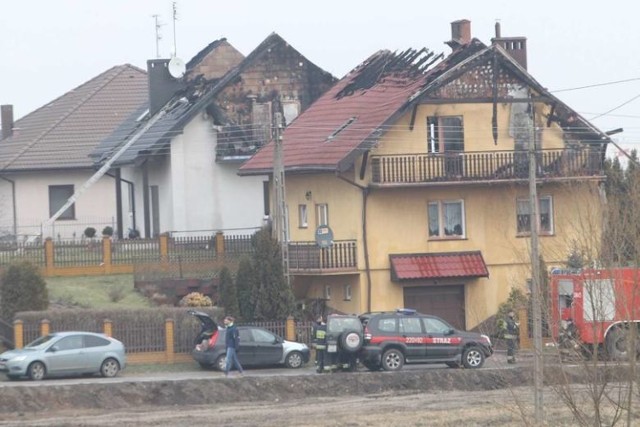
(78, 252)
(13, 251)
(132, 251)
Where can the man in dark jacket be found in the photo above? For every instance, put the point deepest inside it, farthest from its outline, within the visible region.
(319, 337)
(232, 341)
(512, 331)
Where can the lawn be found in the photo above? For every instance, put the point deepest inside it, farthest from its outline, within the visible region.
(104, 292)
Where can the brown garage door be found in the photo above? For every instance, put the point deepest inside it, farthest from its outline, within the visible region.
(446, 302)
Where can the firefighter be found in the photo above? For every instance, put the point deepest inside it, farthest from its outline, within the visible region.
(319, 336)
(512, 331)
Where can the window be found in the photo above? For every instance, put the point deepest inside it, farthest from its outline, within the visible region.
(545, 208)
(302, 216)
(322, 214)
(263, 336)
(91, 341)
(446, 219)
(435, 326)
(347, 292)
(387, 324)
(69, 343)
(445, 133)
(327, 292)
(58, 196)
(410, 325)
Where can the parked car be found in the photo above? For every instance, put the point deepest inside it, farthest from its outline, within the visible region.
(392, 339)
(65, 353)
(258, 346)
(345, 336)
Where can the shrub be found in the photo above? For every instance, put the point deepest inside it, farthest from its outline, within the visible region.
(90, 232)
(107, 231)
(116, 294)
(195, 299)
(22, 288)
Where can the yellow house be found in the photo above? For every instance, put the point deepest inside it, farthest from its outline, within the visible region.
(407, 182)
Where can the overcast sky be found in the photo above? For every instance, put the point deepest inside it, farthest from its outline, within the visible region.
(48, 47)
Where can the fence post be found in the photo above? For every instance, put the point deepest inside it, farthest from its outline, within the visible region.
(107, 327)
(48, 256)
(45, 327)
(106, 253)
(18, 333)
(290, 329)
(523, 318)
(219, 243)
(169, 340)
(164, 247)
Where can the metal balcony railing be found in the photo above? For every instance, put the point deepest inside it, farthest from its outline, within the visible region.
(308, 257)
(240, 142)
(485, 166)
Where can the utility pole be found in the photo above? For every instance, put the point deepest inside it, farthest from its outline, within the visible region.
(280, 215)
(538, 375)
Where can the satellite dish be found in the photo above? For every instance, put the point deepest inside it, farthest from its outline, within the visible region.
(177, 67)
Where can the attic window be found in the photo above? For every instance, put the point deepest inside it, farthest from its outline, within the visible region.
(340, 129)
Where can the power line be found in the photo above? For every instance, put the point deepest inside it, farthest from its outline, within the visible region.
(616, 108)
(596, 85)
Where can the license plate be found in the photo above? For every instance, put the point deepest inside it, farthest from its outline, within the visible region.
(332, 348)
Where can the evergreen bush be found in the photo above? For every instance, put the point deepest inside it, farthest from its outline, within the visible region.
(23, 288)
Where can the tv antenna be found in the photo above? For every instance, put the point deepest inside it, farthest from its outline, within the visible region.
(175, 18)
(158, 25)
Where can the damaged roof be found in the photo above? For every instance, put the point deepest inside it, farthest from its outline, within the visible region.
(350, 118)
(198, 95)
(62, 134)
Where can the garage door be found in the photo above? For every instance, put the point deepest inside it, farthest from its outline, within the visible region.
(446, 302)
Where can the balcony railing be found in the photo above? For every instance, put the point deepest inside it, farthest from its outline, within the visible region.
(237, 143)
(308, 257)
(485, 166)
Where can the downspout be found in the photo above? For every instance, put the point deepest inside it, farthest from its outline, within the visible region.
(365, 195)
(132, 191)
(13, 199)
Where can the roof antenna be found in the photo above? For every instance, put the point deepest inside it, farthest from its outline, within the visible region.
(175, 18)
(158, 25)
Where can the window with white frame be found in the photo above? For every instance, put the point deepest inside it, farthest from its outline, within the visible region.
(445, 133)
(302, 216)
(446, 219)
(545, 209)
(327, 292)
(347, 292)
(322, 214)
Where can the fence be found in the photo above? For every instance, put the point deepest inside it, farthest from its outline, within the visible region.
(105, 256)
(168, 341)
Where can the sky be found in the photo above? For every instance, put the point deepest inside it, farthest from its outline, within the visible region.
(48, 47)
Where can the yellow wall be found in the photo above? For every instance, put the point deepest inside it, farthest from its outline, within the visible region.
(397, 218)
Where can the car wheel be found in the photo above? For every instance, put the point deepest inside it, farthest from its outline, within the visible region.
(109, 368)
(617, 342)
(472, 357)
(293, 360)
(36, 371)
(453, 365)
(350, 341)
(221, 362)
(392, 360)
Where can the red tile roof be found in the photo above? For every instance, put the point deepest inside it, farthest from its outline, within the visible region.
(437, 266)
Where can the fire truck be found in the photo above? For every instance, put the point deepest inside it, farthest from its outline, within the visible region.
(595, 310)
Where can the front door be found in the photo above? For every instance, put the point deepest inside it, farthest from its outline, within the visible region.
(410, 329)
(268, 348)
(66, 355)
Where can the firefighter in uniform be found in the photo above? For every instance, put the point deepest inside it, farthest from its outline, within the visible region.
(511, 336)
(319, 336)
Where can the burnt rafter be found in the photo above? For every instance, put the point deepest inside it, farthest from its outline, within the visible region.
(408, 64)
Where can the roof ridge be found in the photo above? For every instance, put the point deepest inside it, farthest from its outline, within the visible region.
(66, 115)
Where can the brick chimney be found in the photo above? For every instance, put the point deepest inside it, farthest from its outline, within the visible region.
(516, 47)
(460, 33)
(162, 86)
(6, 120)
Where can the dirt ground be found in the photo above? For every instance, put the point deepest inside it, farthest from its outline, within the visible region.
(438, 397)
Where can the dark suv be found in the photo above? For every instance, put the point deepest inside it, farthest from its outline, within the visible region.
(392, 339)
(345, 336)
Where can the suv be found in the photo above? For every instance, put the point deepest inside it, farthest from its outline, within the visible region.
(345, 336)
(392, 339)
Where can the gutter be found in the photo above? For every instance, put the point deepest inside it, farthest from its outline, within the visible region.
(13, 200)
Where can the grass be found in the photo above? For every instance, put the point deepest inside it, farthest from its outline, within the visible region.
(102, 292)
(161, 368)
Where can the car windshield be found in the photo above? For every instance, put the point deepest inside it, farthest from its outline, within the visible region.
(339, 324)
(40, 341)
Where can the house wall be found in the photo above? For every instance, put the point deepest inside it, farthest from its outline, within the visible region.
(397, 219)
(94, 208)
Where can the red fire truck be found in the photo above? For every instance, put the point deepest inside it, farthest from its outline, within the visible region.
(595, 309)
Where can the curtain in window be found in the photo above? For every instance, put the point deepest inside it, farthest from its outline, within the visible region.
(452, 219)
(434, 223)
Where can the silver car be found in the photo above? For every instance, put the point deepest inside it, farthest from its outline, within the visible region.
(65, 353)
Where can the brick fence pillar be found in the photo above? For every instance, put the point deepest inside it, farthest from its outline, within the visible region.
(219, 243)
(290, 329)
(169, 329)
(106, 254)
(523, 319)
(45, 327)
(107, 327)
(18, 333)
(48, 256)
(164, 247)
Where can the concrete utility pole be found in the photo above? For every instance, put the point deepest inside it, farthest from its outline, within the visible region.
(280, 215)
(538, 375)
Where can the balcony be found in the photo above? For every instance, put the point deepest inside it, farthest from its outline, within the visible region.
(485, 167)
(309, 258)
(237, 143)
